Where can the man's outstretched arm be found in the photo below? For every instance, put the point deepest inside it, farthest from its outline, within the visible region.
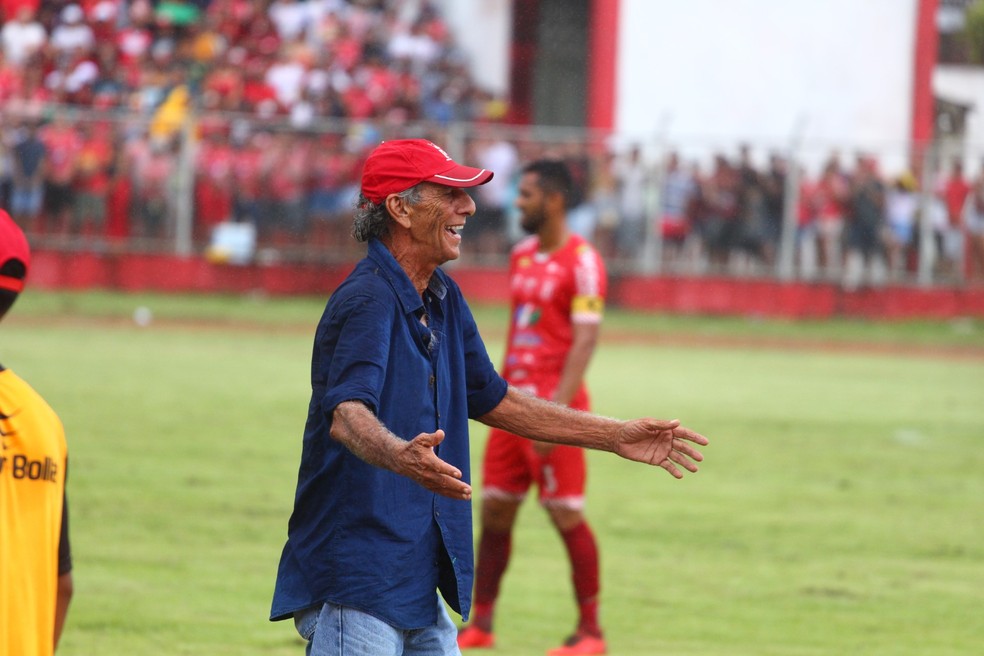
(660, 442)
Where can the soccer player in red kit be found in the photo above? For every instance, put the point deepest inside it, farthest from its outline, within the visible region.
(558, 285)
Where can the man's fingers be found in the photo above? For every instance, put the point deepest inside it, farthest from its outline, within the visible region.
(431, 471)
(449, 487)
(668, 466)
(682, 432)
(683, 461)
(431, 439)
(686, 449)
(431, 467)
(444, 469)
(662, 425)
(693, 436)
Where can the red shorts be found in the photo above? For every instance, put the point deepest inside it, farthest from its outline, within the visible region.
(511, 465)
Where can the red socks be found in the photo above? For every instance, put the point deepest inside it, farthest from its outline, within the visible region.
(583, 552)
(493, 558)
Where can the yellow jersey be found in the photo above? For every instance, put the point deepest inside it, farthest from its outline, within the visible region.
(33, 465)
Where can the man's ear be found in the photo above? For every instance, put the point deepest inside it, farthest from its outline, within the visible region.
(554, 200)
(399, 209)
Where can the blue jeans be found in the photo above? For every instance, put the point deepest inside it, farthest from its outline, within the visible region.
(333, 630)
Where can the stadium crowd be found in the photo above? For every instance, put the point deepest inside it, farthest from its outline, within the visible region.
(286, 97)
(854, 224)
(287, 62)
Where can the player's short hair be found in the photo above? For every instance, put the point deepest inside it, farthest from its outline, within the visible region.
(554, 177)
(372, 220)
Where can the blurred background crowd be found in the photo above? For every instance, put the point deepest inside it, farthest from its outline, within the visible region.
(186, 125)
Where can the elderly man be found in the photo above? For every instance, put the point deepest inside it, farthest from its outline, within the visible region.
(382, 511)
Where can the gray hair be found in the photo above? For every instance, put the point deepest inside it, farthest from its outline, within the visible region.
(372, 220)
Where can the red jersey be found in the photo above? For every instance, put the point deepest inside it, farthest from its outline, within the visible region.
(550, 293)
(64, 146)
(955, 195)
(247, 172)
(289, 173)
(94, 158)
(213, 190)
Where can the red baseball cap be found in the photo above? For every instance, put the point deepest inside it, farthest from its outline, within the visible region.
(395, 166)
(13, 246)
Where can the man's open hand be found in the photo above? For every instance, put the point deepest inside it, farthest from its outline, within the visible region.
(660, 442)
(419, 463)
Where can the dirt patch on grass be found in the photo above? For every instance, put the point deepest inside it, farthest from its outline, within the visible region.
(949, 351)
(609, 336)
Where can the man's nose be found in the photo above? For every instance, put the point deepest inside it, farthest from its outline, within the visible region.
(465, 202)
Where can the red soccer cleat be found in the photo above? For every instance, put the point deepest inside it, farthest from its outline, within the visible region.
(580, 644)
(472, 637)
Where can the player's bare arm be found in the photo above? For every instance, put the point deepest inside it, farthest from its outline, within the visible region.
(660, 442)
(355, 426)
(585, 338)
(65, 590)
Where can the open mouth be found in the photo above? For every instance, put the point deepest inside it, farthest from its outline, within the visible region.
(454, 229)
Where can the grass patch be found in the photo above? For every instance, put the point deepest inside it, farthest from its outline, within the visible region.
(837, 512)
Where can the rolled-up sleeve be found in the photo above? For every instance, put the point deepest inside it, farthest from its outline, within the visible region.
(486, 388)
(358, 336)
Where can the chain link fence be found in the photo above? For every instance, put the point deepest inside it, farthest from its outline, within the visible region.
(239, 189)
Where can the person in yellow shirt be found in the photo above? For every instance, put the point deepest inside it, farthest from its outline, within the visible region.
(35, 554)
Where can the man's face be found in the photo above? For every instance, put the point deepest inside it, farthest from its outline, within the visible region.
(531, 203)
(437, 220)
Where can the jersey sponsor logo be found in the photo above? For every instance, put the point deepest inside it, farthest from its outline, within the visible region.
(526, 339)
(526, 315)
(20, 467)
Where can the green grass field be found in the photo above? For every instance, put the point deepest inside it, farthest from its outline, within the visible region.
(839, 510)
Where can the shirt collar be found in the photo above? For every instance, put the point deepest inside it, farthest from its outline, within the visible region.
(405, 291)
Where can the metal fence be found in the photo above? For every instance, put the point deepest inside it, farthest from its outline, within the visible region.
(240, 189)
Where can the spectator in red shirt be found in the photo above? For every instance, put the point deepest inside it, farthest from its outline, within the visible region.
(133, 41)
(287, 180)
(63, 145)
(974, 223)
(833, 190)
(223, 85)
(257, 92)
(213, 178)
(10, 79)
(92, 179)
(334, 188)
(29, 94)
(151, 177)
(248, 178)
(955, 192)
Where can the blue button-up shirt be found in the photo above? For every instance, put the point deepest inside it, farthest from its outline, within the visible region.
(359, 535)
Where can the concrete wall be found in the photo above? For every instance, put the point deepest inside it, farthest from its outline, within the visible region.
(484, 30)
(719, 296)
(708, 72)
